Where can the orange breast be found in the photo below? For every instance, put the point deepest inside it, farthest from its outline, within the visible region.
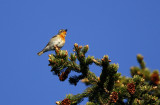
(62, 37)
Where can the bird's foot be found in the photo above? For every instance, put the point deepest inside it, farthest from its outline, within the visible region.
(56, 49)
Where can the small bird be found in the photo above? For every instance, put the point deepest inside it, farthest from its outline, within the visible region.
(56, 41)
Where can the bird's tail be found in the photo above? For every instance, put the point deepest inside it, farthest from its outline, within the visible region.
(40, 53)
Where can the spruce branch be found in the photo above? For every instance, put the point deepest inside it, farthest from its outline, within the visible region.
(110, 88)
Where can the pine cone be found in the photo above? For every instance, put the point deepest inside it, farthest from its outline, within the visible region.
(131, 88)
(155, 78)
(114, 97)
(63, 76)
(66, 102)
(67, 71)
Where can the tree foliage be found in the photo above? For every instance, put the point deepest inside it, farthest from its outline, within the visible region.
(110, 88)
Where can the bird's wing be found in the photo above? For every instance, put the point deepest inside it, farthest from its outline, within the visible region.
(51, 40)
(54, 36)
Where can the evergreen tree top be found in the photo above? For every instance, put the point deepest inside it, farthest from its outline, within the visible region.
(110, 88)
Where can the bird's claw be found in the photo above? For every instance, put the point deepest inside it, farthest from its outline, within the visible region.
(56, 49)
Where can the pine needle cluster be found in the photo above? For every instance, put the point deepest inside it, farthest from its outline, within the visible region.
(110, 88)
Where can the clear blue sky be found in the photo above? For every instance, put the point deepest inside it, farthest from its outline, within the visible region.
(120, 29)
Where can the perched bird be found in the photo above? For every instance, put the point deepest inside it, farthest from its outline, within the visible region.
(56, 41)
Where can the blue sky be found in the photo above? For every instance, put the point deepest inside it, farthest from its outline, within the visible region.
(120, 29)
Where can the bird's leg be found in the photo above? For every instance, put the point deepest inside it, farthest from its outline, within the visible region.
(55, 46)
(56, 49)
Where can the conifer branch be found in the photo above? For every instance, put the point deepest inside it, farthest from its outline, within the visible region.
(110, 88)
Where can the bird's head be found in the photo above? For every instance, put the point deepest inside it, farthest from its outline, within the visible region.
(63, 32)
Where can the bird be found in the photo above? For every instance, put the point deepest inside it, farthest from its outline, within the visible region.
(56, 41)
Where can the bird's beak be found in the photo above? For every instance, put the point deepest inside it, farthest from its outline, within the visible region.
(66, 30)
